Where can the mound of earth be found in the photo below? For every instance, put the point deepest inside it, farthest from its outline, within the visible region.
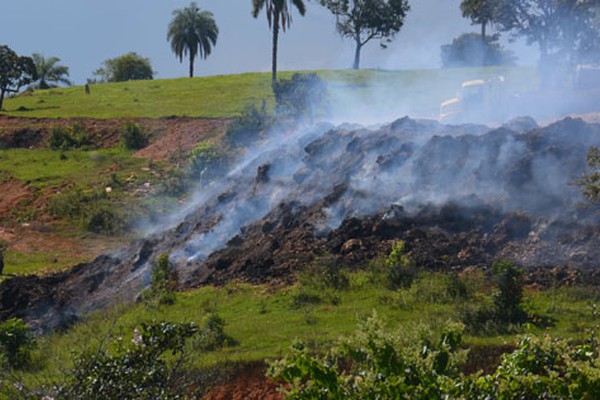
(459, 196)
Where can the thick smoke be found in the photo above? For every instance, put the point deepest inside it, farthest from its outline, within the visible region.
(408, 164)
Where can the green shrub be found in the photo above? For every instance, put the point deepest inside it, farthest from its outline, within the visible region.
(208, 161)
(300, 98)
(212, 335)
(148, 367)
(71, 138)
(163, 282)
(91, 210)
(375, 364)
(503, 310)
(508, 297)
(16, 342)
(401, 271)
(133, 137)
(590, 181)
(439, 288)
(104, 219)
(325, 272)
(249, 127)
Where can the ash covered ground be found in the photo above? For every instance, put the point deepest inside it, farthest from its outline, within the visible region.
(459, 196)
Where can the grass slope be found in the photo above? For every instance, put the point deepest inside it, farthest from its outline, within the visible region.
(419, 91)
(266, 321)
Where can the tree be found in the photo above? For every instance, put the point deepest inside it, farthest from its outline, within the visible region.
(49, 74)
(480, 12)
(279, 16)
(130, 66)
(469, 50)
(192, 32)
(566, 31)
(15, 72)
(365, 20)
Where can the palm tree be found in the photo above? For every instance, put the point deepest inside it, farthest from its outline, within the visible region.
(279, 15)
(192, 32)
(49, 74)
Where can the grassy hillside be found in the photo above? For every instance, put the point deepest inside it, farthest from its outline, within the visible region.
(221, 96)
(265, 321)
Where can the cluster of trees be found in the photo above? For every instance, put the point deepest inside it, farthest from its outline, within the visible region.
(566, 32)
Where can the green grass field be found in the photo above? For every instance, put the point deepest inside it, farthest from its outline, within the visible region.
(418, 91)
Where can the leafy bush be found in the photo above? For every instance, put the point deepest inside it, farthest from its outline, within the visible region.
(90, 209)
(590, 181)
(248, 127)
(136, 370)
(104, 219)
(471, 50)
(208, 161)
(375, 364)
(300, 98)
(541, 368)
(503, 309)
(16, 342)
(401, 270)
(212, 335)
(325, 272)
(132, 136)
(163, 282)
(62, 138)
(508, 297)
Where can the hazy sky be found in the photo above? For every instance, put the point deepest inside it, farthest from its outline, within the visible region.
(83, 33)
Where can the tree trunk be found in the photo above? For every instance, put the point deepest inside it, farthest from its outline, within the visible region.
(1, 98)
(357, 53)
(191, 66)
(483, 26)
(275, 42)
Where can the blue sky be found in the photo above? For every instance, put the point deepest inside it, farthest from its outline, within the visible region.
(83, 33)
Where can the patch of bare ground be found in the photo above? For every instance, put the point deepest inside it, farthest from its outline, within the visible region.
(248, 383)
(170, 140)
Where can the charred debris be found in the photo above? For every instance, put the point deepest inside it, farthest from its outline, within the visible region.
(459, 196)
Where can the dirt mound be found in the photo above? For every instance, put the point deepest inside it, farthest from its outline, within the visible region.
(459, 196)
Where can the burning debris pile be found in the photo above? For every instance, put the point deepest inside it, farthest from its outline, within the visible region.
(459, 196)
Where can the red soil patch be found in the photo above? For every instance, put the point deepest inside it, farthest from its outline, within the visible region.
(13, 194)
(250, 383)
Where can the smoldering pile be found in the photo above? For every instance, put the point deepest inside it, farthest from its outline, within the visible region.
(459, 196)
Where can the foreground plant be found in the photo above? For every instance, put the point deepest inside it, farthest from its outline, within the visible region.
(375, 364)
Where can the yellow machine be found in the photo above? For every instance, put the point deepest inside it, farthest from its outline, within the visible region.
(478, 100)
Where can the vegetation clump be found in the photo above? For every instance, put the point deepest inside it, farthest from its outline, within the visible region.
(16, 343)
(133, 137)
(503, 310)
(590, 181)
(163, 282)
(148, 367)
(130, 66)
(74, 137)
(401, 271)
(377, 364)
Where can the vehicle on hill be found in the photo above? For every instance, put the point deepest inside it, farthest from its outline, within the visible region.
(490, 101)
